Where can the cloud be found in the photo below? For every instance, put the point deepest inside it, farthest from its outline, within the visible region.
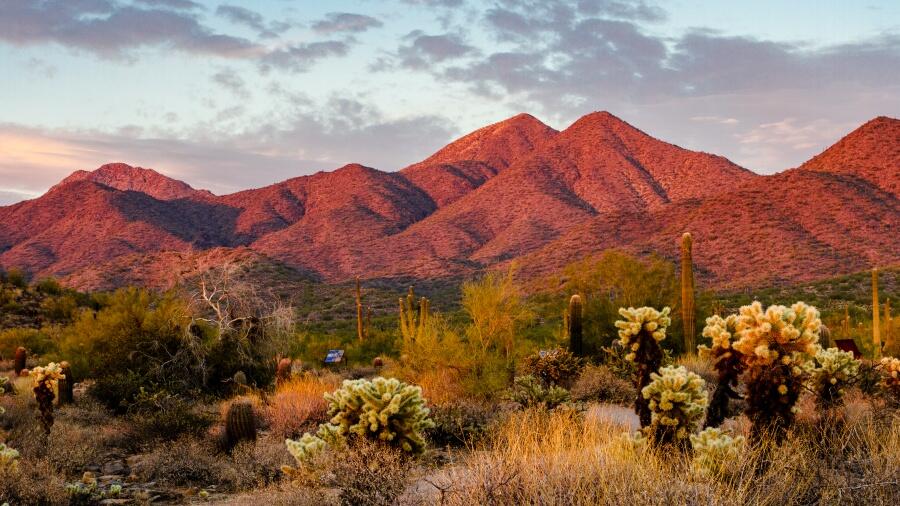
(421, 51)
(336, 22)
(111, 30)
(254, 20)
(436, 3)
(715, 119)
(171, 4)
(232, 81)
(300, 57)
(302, 138)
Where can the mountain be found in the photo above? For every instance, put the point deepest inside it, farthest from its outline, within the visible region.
(871, 152)
(127, 178)
(515, 190)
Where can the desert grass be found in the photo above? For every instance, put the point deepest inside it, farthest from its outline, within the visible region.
(538, 457)
(298, 405)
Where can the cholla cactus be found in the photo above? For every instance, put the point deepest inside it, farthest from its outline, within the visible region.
(43, 381)
(715, 451)
(640, 334)
(9, 459)
(890, 377)
(829, 373)
(383, 409)
(3, 382)
(677, 399)
(529, 391)
(727, 362)
(775, 343)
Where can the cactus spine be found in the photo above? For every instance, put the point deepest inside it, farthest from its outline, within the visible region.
(66, 386)
(360, 326)
(576, 336)
(20, 359)
(687, 293)
(876, 319)
(240, 423)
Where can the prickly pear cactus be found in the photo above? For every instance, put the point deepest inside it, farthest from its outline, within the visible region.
(677, 399)
(640, 334)
(240, 423)
(383, 409)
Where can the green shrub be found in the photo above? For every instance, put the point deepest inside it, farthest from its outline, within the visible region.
(118, 391)
(37, 342)
(529, 391)
(162, 415)
(461, 423)
(599, 384)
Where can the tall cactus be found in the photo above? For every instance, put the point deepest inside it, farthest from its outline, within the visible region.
(360, 326)
(687, 293)
(876, 319)
(20, 360)
(66, 385)
(412, 321)
(240, 423)
(888, 329)
(576, 336)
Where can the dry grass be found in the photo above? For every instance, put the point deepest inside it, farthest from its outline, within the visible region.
(558, 458)
(439, 386)
(597, 383)
(297, 406)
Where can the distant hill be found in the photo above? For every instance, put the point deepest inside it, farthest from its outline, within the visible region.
(515, 190)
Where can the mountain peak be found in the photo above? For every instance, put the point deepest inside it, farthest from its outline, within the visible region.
(497, 144)
(124, 177)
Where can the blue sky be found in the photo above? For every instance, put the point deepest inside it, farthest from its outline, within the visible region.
(230, 95)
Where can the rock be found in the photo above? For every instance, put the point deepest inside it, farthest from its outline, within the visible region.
(117, 501)
(115, 467)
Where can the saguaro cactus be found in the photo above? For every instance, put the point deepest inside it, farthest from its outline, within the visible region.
(888, 329)
(360, 326)
(20, 359)
(687, 292)
(413, 322)
(876, 319)
(66, 385)
(576, 336)
(240, 423)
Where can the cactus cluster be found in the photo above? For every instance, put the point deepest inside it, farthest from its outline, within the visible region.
(890, 377)
(727, 362)
(380, 409)
(715, 451)
(529, 391)
(829, 373)
(775, 344)
(640, 334)
(677, 399)
(413, 322)
(9, 459)
(43, 381)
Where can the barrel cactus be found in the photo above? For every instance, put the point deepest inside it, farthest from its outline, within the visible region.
(283, 371)
(727, 362)
(829, 373)
(677, 399)
(19, 362)
(640, 333)
(775, 342)
(240, 423)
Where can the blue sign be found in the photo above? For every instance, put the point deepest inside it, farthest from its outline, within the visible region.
(334, 356)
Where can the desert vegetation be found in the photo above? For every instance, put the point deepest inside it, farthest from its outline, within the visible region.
(584, 387)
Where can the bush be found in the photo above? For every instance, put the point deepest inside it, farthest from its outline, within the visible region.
(37, 342)
(597, 383)
(368, 474)
(528, 391)
(554, 367)
(33, 482)
(117, 391)
(461, 423)
(298, 405)
(161, 415)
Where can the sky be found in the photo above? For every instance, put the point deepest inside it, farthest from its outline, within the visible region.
(237, 94)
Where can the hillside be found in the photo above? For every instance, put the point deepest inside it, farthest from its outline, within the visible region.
(514, 190)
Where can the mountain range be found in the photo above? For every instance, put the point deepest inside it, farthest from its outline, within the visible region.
(516, 190)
